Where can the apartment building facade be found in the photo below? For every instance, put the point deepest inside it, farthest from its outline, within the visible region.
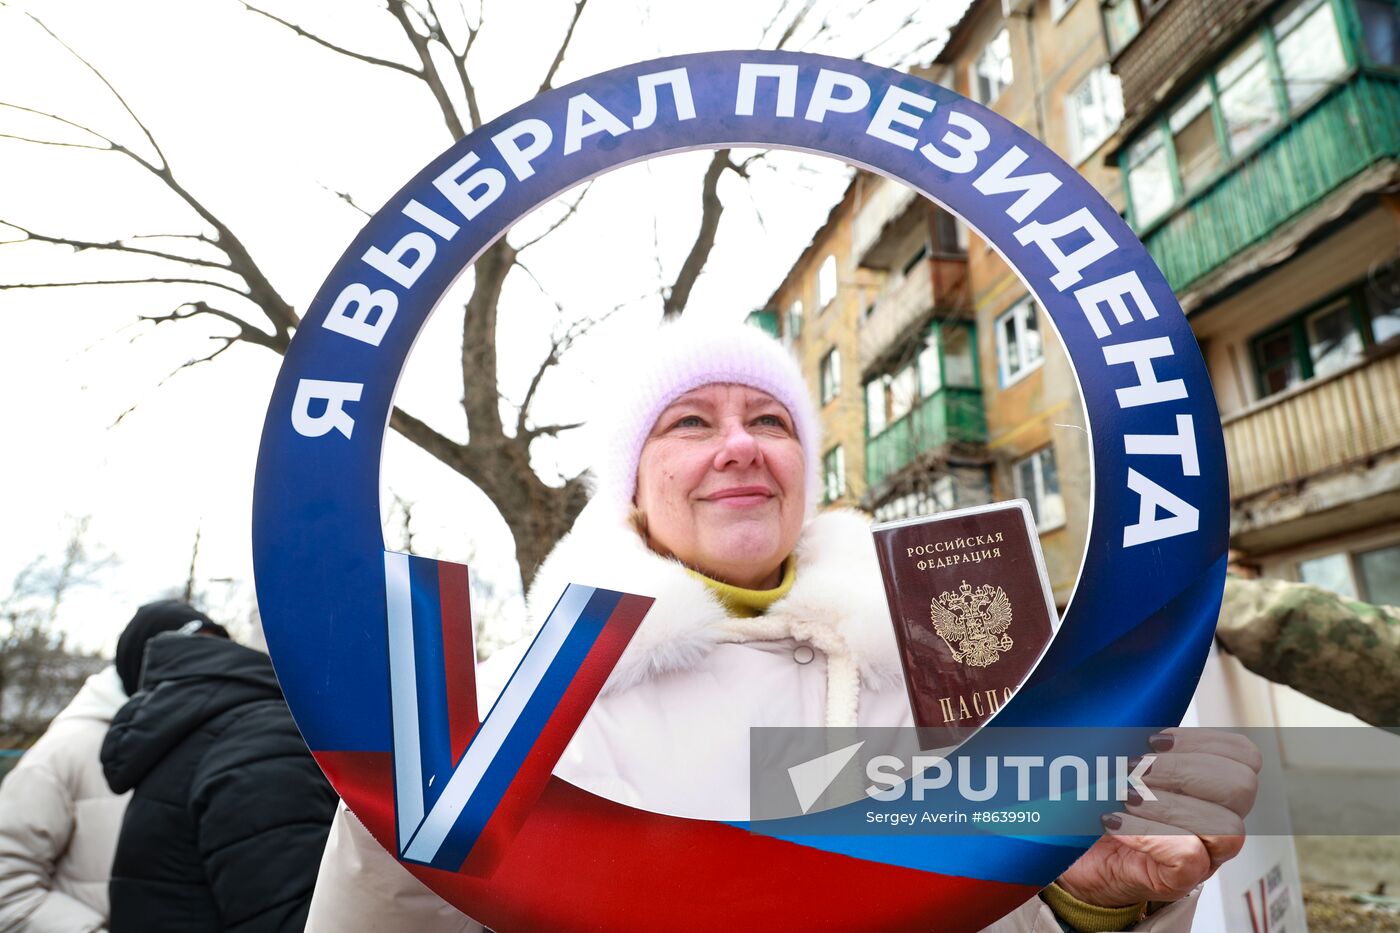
(1261, 160)
(816, 310)
(960, 398)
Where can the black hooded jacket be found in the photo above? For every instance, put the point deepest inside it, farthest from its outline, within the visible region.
(230, 812)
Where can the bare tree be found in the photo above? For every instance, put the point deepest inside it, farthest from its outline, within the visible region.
(224, 281)
(39, 671)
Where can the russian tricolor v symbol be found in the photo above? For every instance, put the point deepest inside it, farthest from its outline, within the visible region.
(462, 789)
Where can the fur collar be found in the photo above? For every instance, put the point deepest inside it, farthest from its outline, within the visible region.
(838, 585)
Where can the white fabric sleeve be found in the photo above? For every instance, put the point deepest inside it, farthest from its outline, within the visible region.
(36, 823)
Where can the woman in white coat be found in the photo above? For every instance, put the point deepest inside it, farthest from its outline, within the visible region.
(765, 614)
(59, 820)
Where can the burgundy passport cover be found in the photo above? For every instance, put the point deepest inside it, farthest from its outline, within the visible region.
(971, 609)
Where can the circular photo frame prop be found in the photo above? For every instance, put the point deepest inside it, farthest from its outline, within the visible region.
(539, 853)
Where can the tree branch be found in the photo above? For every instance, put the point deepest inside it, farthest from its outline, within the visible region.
(115, 93)
(13, 286)
(480, 398)
(551, 430)
(559, 344)
(539, 285)
(114, 245)
(570, 212)
(284, 319)
(890, 37)
(225, 343)
(460, 63)
(196, 308)
(429, 73)
(54, 142)
(66, 122)
(796, 24)
(563, 49)
(345, 196)
(307, 34)
(457, 456)
(711, 208)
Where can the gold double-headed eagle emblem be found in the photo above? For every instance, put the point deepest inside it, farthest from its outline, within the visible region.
(973, 623)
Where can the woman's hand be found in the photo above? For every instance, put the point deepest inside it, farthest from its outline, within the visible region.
(1160, 850)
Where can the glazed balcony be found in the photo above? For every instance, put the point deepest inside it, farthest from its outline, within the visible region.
(1318, 427)
(1354, 127)
(948, 416)
(904, 305)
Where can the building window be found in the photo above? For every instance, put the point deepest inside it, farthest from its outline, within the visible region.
(1329, 337)
(1058, 8)
(913, 261)
(1095, 108)
(949, 234)
(1149, 178)
(794, 319)
(1247, 102)
(834, 474)
(992, 72)
(1192, 126)
(1019, 348)
(1277, 359)
(1120, 23)
(1334, 341)
(1038, 482)
(1382, 296)
(1380, 31)
(904, 392)
(826, 283)
(959, 366)
(1372, 576)
(1309, 50)
(1380, 575)
(876, 405)
(831, 375)
(930, 366)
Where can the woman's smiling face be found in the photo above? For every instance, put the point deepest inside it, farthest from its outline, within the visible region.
(721, 481)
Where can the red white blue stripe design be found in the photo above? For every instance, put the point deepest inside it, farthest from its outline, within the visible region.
(457, 802)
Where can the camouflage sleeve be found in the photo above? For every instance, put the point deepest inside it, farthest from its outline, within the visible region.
(1339, 651)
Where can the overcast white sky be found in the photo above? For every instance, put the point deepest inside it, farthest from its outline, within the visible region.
(255, 122)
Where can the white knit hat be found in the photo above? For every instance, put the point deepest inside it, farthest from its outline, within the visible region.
(682, 356)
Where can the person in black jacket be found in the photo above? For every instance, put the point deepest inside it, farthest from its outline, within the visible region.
(230, 811)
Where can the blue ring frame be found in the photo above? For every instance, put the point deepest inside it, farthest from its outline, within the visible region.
(1138, 628)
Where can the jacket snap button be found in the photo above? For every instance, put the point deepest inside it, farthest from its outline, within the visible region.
(803, 654)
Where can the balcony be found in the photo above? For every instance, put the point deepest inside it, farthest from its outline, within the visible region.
(950, 415)
(902, 303)
(888, 203)
(903, 306)
(1320, 426)
(1352, 128)
(765, 320)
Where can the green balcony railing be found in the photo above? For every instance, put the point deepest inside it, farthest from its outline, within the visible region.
(1357, 125)
(948, 415)
(766, 321)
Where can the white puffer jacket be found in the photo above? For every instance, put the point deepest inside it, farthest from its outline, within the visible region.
(692, 670)
(59, 821)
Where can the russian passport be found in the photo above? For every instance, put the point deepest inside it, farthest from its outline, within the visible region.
(972, 611)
